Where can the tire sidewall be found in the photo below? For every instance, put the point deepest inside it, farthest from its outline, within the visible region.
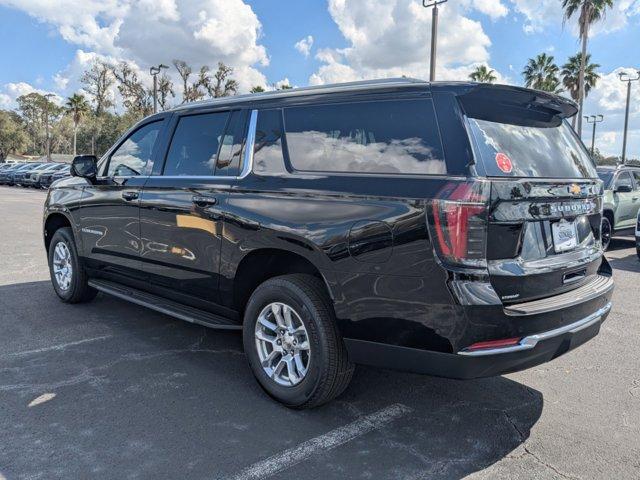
(280, 290)
(63, 235)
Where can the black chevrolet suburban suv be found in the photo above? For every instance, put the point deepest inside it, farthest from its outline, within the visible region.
(451, 229)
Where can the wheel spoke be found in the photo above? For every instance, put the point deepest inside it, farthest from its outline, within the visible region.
(261, 335)
(262, 319)
(287, 317)
(277, 314)
(299, 365)
(291, 370)
(269, 359)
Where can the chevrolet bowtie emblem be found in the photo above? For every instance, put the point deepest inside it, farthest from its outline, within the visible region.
(575, 189)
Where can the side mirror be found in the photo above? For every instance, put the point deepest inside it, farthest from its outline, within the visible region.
(85, 166)
(623, 189)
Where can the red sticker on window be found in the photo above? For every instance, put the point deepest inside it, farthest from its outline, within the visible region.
(504, 162)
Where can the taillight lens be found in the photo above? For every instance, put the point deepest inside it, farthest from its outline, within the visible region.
(458, 223)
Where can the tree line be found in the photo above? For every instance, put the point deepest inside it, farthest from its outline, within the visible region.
(88, 122)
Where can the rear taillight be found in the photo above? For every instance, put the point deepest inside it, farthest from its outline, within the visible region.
(458, 223)
(491, 344)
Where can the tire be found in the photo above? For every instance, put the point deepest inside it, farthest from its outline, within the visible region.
(606, 231)
(328, 369)
(75, 288)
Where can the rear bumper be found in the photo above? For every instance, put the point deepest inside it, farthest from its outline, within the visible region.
(547, 329)
(535, 350)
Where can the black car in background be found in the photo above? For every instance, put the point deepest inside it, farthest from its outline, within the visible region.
(47, 178)
(6, 170)
(451, 229)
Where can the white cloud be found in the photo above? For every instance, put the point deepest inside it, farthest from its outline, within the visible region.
(304, 45)
(542, 13)
(493, 8)
(609, 99)
(11, 91)
(392, 39)
(149, 32)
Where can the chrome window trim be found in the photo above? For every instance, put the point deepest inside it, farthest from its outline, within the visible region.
(530, 341)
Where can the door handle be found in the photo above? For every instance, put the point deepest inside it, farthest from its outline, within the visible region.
(130, 195)
(203, 200)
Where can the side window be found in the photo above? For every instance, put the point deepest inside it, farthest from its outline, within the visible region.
(624, 178)
(267, 151)
(231, 145)
(132, 156)
(636, 177)
(194, 146)
(369, 137)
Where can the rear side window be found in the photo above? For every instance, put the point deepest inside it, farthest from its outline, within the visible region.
(551, 151)
(368, 137)
(231, 145)
(195, 143)
(268, 158)
(636, 177)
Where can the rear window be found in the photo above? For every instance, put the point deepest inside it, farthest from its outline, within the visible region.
(605, 177)
(549, 151)
(368, 137)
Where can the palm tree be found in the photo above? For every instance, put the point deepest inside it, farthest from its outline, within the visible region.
(571, 76)
(77, 106)
(483, 74)
(590, 11)
(541, 73)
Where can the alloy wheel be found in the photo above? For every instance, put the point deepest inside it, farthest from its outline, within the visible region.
(62, 267)
(282, 343)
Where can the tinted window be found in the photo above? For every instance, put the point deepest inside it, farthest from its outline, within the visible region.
(132, 156)
(370, 137)
(533, 151)
(267, 151)
(194, 147)
(636, 177)
(624, 178)
(231, 146)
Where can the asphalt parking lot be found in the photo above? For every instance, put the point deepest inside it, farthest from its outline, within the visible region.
(112, 390)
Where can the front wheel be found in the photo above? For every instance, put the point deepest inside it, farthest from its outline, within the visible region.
(292, 343)
(67, 273)
(605, 233)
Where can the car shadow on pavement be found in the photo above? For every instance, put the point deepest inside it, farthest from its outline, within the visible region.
(142, 395)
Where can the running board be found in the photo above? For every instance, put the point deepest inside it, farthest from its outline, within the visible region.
(162, 305)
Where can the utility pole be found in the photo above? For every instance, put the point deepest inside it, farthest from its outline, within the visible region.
(154, 71)
(434, 34)
(46, 125)
(627, 78)
(595, 119)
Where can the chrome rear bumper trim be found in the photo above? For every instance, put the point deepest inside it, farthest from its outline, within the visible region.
(529, 342)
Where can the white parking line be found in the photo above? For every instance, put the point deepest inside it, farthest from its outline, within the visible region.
(60, 346)
(322, 443)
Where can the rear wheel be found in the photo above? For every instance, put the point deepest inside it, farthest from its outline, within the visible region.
(68, 276)
(606, 232)
(292, 343)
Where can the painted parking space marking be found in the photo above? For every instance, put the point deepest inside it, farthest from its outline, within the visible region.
(322, 443)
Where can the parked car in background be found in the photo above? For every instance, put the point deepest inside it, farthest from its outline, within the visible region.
(20, 175)
(46, 178)
(6, 172)
(60, 174)
(16, 175)
(621, 200)
(451, 229)
(25, 180)
(34, 177)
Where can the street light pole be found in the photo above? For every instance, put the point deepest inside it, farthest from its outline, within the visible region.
(434, 34)
(595, 119)
(154, 71)
(627, 78)
(46, 125)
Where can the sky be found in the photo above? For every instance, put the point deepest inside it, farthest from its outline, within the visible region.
(45, 45)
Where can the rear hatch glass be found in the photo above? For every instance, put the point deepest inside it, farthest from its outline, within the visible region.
(530, 151)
